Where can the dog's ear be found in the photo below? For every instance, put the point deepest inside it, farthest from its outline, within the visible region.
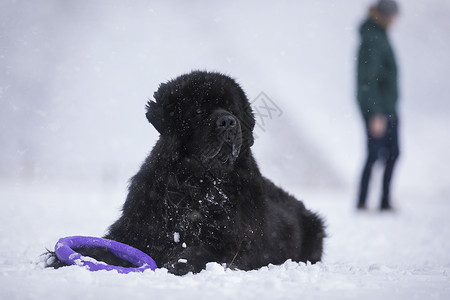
(155, 115)
(155, 112)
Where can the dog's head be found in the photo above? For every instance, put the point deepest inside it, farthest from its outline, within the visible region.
(208, 113)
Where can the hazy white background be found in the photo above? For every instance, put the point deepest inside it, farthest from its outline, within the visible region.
(75, 76)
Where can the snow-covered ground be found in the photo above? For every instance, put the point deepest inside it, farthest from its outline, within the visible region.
(74, 79)
(368, 256)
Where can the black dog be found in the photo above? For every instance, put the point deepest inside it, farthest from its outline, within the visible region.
(199, 196)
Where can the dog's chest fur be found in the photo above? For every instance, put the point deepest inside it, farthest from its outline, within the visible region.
(199, 209)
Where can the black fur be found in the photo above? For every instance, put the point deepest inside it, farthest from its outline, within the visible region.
(199, 195)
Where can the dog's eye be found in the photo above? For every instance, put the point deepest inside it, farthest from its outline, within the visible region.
(199, 111)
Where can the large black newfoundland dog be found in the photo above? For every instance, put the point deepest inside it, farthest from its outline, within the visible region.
(199, 196)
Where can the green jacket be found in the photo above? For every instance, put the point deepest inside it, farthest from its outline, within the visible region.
(377, 90)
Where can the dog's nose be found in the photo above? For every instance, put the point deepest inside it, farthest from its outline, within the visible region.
(226, 122)
(226, 128)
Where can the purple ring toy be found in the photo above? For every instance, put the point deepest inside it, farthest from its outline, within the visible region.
(64, 251)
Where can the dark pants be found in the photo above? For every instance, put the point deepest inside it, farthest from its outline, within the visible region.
(385, 148)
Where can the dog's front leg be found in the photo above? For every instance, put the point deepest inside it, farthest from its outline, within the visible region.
(192, 259)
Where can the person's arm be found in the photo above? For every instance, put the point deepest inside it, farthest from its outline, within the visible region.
(369, 70)
(368, 79)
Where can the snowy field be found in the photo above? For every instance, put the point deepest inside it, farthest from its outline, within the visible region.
(368, 256)
(74, 79)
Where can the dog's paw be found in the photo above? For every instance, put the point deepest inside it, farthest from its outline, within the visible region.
(180, 267)
(50, 260)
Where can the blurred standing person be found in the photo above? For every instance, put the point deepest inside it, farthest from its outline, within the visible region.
(377, 95)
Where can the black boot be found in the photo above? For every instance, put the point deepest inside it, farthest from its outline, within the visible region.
(386, 205)
(361, 206)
